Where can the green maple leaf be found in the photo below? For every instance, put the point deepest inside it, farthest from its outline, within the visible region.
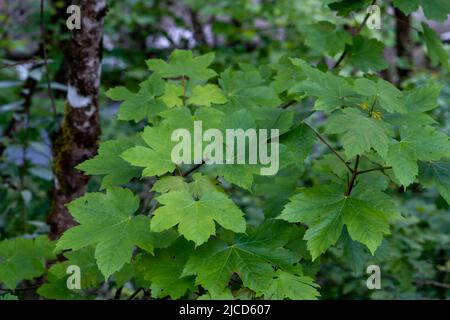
(434, 9)
(345, 7)
(175, 118)
(436, 174)
(172, 95)
(247, 88)
(325, 37)
(55, 286)
(201, 184)
(23, 259)
(353, 252)
(422, 99)
(287, 74)
(360, 132)
(293, 287)
(388, 96)
(106, 221)
(273, 118)
(239, 174)
(416, 143)
(140, 105)
(182, 63)
(367, 54)
(207, 95)
(196, 218)
(417, 102)
(407, 6)
(164, 270)
(435, 49)
(169, 183)
(225, 295)
(156, 159)
(276, 190)
(331, 91)
(251, 257)
(109, 163)
(325, 209)
(211, 118)
(124, 275)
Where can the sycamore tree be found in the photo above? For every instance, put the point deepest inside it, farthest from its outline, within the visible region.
(189, 236)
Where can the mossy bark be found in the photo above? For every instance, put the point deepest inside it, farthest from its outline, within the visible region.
(77, 139)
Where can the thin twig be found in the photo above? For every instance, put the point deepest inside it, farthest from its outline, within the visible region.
(33, 61)
(412, 27)
(373, 107)
(24, 168)
(197, 166)
(373, 169)
(353, 178)
(331, 148)
(288, 104)
(358, 30)
(135, 293)
(20, 289)
(361, 26)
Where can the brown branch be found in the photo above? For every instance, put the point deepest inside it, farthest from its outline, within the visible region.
(118, 293)
(44, 56)
(353, 178)
(331, 148)
(373, 169)
(197, 166)
(199, 34)
(183, 83)
(287, 104)
(135, 293)
(20, 289)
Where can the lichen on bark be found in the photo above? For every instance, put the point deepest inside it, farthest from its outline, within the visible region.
(77, 139)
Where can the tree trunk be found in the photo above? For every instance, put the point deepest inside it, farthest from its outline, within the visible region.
(403, 42)
(77, 139)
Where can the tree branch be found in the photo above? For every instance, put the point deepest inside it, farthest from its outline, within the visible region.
(135, 293)
(358, 30)
(287, 104)
(44, 57)
(331, 148)
(183, 83)
(373, 169)
(353, 178)
(197, 166)
(32, 61)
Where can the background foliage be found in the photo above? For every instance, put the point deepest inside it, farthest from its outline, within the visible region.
(309, 57)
